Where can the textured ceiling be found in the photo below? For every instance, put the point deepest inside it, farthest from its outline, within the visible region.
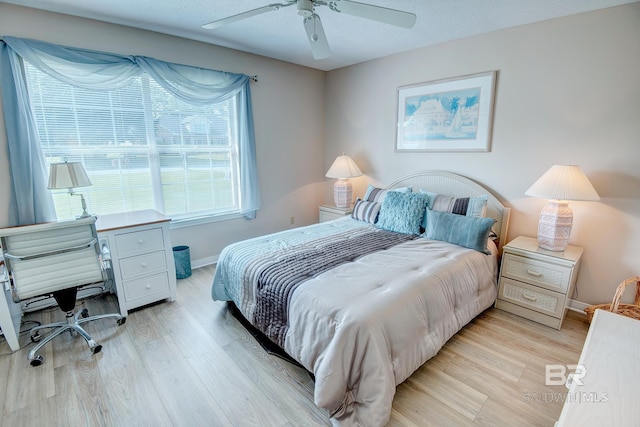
(280, 34)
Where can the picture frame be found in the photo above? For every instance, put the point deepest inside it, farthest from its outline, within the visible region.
(447, 115)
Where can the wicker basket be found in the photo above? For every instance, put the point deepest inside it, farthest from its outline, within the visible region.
(629, 310)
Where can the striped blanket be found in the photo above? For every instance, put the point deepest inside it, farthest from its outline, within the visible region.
(278, 281)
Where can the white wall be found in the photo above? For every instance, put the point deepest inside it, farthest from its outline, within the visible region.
(568, 91)
(288, 106)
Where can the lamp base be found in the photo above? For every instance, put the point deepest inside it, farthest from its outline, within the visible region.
(554, 227)
(342, 193)
(84, 207)
(83, 204)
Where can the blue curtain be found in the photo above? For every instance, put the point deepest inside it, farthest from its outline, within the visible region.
(104, 71)
(30, 201)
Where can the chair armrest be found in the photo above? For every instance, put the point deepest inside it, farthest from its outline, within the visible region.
(4, 274)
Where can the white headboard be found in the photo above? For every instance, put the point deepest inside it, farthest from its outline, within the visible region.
(459, 186)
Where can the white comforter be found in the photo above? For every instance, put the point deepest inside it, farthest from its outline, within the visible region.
(365, 326)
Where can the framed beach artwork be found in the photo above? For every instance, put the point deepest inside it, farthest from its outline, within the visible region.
(447, 115)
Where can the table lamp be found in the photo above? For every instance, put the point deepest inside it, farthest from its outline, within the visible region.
(69, 175)
(343, 168)
(559, 184)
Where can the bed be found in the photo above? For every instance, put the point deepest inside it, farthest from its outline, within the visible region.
(363, 301)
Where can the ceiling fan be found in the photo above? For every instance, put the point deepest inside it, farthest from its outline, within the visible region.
(312, 24)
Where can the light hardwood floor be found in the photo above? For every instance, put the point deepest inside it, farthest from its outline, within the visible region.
(190, 363)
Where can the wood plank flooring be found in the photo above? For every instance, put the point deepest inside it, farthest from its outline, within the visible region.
(190, 363)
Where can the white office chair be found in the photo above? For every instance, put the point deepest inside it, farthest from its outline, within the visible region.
(55, 259)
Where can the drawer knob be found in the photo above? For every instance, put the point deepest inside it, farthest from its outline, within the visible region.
(529, 297)
(534, 273)
(140, 241)
(148, 286)
(144, 264)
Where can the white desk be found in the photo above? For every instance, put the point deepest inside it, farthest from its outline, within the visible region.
(142, 260)
(609, 395)
(141, 256)
(10, 315)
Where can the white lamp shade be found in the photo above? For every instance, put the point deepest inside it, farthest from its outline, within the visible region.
(560, 183)
(67, 175)
(563, 182)
(343, 167)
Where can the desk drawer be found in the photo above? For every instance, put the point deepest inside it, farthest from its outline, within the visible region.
(147, 290)
(533, 297)
(139, 242)
(143, 265)
(549, 276)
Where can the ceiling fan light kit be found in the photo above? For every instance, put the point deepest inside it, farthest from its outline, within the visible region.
(305, 8)
(312, 24)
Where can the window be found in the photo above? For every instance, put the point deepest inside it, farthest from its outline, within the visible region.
(142, 147)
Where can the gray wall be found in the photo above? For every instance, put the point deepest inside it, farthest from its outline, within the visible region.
(568, 91)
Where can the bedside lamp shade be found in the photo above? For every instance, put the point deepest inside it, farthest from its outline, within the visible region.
(560, 184)
(69, 175)
(343, 168)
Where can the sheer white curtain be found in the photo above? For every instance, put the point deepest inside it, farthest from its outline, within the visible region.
(30, 201)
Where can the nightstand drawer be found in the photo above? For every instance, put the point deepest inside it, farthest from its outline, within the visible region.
(544, 274)
(143, 264)
(140, 242)
(533, 297)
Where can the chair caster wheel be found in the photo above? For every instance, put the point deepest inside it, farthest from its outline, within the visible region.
(96, 349)
(37, 361)
(84, 313)
(35, 337)
(121, 321)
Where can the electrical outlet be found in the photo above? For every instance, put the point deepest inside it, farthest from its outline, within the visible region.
(293, 220)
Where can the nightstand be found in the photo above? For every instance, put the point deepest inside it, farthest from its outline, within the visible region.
(327, 212)
(535, 283)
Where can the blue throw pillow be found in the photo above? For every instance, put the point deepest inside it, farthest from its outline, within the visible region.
(402, 212)
(470, 232)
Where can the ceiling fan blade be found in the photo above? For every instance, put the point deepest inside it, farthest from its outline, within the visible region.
(244, 15)
(317, 39)
(376, 13)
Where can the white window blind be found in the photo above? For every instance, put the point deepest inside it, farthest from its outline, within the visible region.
(141, 147)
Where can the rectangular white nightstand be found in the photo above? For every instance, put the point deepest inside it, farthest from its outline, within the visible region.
(536, 283)
(328, 213)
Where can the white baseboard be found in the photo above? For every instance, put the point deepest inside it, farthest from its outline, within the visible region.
(577, 305)
(203, 262)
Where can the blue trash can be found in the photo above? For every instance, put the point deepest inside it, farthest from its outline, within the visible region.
(182, 258)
